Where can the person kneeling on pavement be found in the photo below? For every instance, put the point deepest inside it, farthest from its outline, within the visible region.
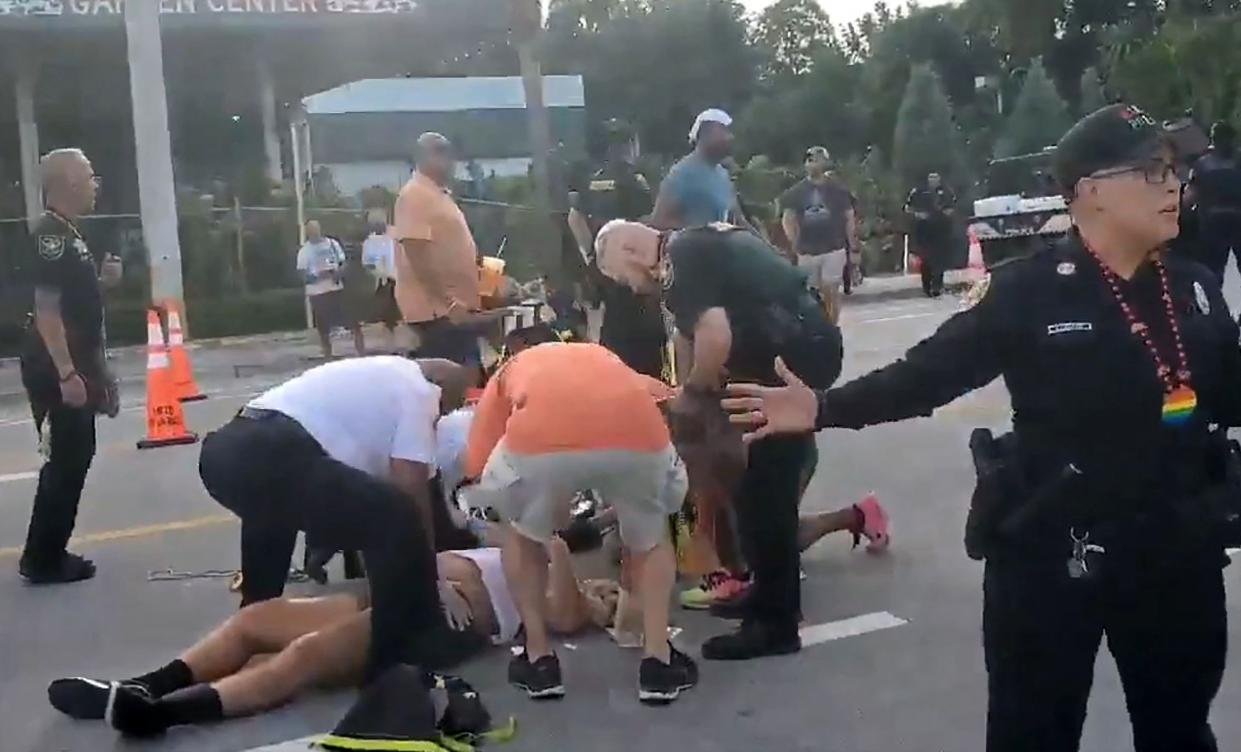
(345, 453)
(554, 420)
(268, 653)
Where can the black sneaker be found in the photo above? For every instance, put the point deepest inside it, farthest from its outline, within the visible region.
(752, 640)
(135, 714)
(87, 699)
(70, 568)
(540, 680)
(660, 683)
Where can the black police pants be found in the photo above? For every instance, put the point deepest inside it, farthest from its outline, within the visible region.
(1166, 627)
(273, 475)
(766, 511)
(71, 434)
(1220, 235)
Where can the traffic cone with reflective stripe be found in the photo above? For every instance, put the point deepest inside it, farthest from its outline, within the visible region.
(977, 267)
(179, 360)
(165, 420)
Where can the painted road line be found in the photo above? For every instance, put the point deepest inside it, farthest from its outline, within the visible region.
(32, 475)
(904, 317)
(144, 531)
(293, 745)
(858, 625)
(1232, 552)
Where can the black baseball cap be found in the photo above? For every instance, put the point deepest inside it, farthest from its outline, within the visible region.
(1118, 135)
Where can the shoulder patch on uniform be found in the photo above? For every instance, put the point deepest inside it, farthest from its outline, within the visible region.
(976, 293)
(51, 247)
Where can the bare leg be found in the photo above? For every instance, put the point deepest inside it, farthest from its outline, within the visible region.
(325, 342)
(332, 656)
(813, 528)
(262, 628)
(525, 568)
(656, 571)
(359, 341)
(566, 613)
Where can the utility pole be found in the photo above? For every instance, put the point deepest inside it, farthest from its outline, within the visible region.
(153, 147)
(527, 29)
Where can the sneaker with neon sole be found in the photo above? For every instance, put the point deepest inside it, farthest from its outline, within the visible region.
(717, 587)
(874, 526)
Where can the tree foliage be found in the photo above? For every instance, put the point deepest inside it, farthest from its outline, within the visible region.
(925, 139)
(792, 33)
(1091, 96)
(1038, 119)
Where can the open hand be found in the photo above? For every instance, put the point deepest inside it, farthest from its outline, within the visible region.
(768, 410)
(456, 608)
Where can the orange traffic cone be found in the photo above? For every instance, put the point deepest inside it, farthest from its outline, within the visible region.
(179, 360)
(165, 421)
(975, 260)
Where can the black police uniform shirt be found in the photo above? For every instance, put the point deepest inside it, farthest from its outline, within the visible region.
(59, 260)
(1084, 388)
(937, 228)
(633, 325)
(1216, 182)
(822, 211)
(769, 306)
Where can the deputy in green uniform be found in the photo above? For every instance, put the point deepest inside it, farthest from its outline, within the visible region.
(62, 364)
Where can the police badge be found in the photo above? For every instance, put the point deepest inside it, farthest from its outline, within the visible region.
(1200, 297)
(51, 247)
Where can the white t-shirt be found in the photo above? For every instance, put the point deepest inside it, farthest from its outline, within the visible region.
(363, 411)
(377, 253)
(317, 257)
(451, 435)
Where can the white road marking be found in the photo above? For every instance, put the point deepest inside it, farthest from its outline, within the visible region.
(293, 745)
(19, 476)
(1232, 552)
(899, 318)
(858, 625)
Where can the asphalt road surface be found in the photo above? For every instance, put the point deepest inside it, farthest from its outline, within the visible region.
(893, 658)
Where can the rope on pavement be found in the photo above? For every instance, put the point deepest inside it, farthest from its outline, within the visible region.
(232, 575)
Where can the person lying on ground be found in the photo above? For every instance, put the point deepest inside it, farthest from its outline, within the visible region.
(557, 419)
(268, 653)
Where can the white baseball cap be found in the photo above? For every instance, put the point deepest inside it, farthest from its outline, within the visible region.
(709, 116)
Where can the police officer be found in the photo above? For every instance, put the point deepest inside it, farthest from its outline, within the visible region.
(931, 206)
(63, 366)
(741, 304)
(1118, 360)
(1215, 190)
(633, 326)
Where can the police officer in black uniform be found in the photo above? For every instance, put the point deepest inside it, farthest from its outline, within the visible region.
(1215, 191)
(633, 326)
(741, 304)
(1119, 361)
(63, 366)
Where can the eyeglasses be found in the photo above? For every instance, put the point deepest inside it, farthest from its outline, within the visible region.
(1156, 172)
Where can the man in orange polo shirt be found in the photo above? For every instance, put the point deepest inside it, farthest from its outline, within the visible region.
(556, 419)
(437, 263)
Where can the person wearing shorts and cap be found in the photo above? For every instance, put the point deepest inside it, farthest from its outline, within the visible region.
(698, 190)
(817, 216)
(561, 418)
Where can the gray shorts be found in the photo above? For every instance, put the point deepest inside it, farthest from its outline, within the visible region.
(826, 269)
(533, 492)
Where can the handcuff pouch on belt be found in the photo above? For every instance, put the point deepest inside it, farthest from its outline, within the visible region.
(997, 490)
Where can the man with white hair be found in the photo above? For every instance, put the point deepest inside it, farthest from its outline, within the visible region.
(62, 364)
(698, 190)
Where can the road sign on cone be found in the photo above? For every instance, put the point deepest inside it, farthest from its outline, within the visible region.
(179, 360)
(165, 420)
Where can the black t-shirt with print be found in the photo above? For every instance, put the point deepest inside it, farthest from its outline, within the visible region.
(822, 215)
(59, 260)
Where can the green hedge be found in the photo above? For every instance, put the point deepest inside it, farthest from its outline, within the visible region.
(270, 311)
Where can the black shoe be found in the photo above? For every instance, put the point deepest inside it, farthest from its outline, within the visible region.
(136, 714)
(660, 683)
(752, 640)
(735, 609)
(540, 680)
(70, 568)
(87, 699)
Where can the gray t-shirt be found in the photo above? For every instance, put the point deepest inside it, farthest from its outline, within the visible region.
(703, 191)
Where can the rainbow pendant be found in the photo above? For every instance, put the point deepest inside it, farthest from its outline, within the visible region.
(1179, 405)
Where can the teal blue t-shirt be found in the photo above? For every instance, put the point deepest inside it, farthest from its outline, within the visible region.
(703, 192)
